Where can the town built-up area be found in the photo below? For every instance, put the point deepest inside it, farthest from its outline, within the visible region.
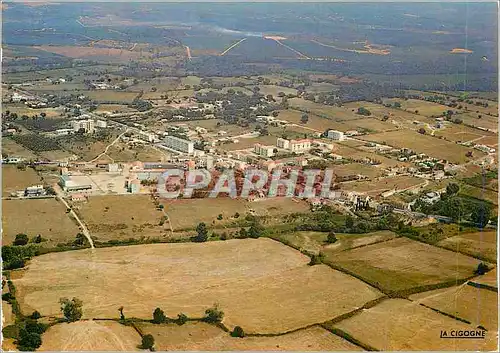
(386, 115)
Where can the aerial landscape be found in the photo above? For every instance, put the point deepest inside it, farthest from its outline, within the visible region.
(249, 176)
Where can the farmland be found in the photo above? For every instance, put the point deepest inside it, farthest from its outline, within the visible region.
(200, 336)
(429, 145)
(481, 244)
(121, 216)
(332, 112)
(475, 305)
(263, 271)
(314, 242)
(398, 183)
(206, 210)
(14, 179)
(399, 324)
(420, 107)
(12, 148)
(46, 217)
(89, 336)
(404, 265)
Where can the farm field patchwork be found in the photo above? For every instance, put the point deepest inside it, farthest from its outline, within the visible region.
(90, 335)
(333, 112)
(480, 244)
(376, 187)
(46, 217)
(489, 279)
(12, 148)
(199, 336)
(429, 145)
(476, 305)
(398, 324)
(246, 277)
(403, 265)
(420, 107)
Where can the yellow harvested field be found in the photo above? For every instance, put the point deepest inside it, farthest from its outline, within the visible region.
(346, 149)
(485, 122)
(11, 148)
(246, 277)
(46, 217)
(379, 111)
(423, 107)
(248, 143)
(377, 187)
(14, 179)
(404, 265)
(121, 216)
(489, 279)
(274, 90)
(332, 112)
(480, 244)
(90, 336)
(357, 168)
(199, 336)
(454, 132)
(21, 109)
(419, 143)
(107, 96)
(478, 306)
(112, 108)
(398, 324)
(8, 345)
(7, 315)
(207, 209)
(314, 242)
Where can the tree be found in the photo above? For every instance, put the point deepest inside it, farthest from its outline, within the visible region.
(349, 222)
(236, 215)
(275, 114)
(481, 215)
(219, 217)
(35, 315)
(181, 319)
(421, 131)
(148, 342)
(72, 309)
(331, 238)
(363, 111)
(238, 332)
(452, 189)
(304, 119)
(202, 233)
(159, 316)
(122, 316)
(213, 314)
(29, 341)
(21, 239)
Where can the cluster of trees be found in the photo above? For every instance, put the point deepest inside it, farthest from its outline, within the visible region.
(37, 143)
(15, 256)
(459, 208)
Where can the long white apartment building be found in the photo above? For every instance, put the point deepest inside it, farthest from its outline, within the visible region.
(87, 125)
(264, 151)
(179, 144)
(335, 135)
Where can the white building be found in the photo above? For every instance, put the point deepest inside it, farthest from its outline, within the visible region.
(264, 151)
(335, 135)
(87, 125)
(299, 146)
(283, 143)
(101, 124)
(179, 144)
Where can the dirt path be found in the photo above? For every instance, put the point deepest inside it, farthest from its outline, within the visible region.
(108, 146)
(188, 53)
(232, 46)
(83, 227)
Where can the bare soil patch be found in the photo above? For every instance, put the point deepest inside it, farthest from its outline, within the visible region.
(14, 179)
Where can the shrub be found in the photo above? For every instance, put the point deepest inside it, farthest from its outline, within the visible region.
(219, 217)
(21, 239)
(29, 341)
(148, 342)
(35, 315)
(213, 314)
(238, 332)
(331, 238)
(159, 316)
(7, 297)
(481, 269)
(181, 319)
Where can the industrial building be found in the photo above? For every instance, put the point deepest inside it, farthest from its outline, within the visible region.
(69, 185)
